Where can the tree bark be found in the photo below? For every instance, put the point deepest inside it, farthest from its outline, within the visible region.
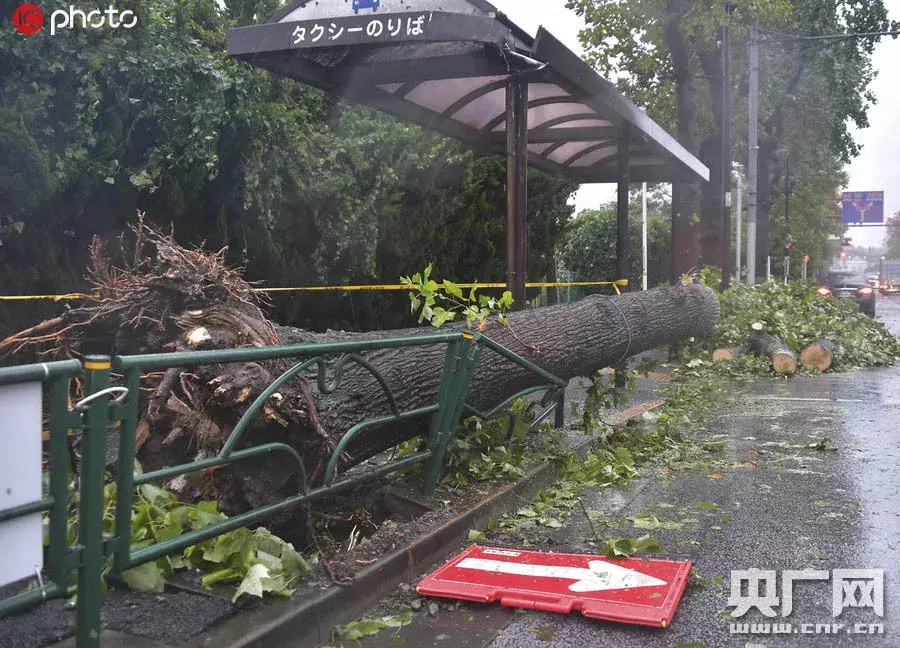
(784, 361)
(685, 233)
(711, 225)
(568, 341)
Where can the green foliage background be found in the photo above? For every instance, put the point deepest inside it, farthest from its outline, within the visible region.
(304, 189)
(587, 252)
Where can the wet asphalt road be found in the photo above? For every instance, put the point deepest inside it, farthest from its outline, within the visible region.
(768, 502)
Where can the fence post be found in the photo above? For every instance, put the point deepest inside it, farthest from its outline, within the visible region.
(125, 484)
(560, 421)
(90, 527)
(462, 357)
(60, 422)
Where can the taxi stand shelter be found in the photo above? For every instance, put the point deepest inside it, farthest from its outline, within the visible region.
(462, 68)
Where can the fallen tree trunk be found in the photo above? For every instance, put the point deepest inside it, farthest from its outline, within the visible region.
(177, 299)
(819, 355)
(568, 341)
(784, 361)
(723, 354)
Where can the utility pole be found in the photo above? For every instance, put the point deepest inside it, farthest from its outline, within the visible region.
(753, 154)
(726, 149)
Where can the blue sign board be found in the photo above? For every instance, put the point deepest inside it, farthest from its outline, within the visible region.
(365, 4)
(863, 207)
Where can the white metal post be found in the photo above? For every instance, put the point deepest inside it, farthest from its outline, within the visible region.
(644, 233)
(738, 174)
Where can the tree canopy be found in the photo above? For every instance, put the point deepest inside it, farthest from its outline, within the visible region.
(667, 57)
(303, 188)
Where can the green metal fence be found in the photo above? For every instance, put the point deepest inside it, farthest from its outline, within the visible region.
(97, 411)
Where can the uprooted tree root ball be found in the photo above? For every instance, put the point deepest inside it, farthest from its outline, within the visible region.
(158, 296)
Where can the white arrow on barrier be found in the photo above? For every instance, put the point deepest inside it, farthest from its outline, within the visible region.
(598, 577)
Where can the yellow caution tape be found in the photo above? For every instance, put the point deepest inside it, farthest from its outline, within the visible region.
(538, 284)
(375, 287)
(53, 297)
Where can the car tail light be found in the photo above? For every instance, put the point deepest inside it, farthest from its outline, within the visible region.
(825, 292)
(865, 291)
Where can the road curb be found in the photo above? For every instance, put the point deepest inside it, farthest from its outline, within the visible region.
(309, 623)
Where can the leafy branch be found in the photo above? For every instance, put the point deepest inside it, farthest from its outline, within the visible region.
(444, 302)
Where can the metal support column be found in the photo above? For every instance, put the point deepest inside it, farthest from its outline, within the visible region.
(516, 187)
(624, 163)
(90, 521)
(673, 249)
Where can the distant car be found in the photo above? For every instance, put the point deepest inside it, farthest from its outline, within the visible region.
(366, 4)
(890, 289)
(845, 286)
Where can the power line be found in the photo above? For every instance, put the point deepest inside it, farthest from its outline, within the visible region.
(788, 38)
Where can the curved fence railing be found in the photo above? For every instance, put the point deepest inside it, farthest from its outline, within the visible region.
(90, 418)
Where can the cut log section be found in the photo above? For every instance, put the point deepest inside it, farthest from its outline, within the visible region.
(784, 361)
(723, 354)
(819, 355)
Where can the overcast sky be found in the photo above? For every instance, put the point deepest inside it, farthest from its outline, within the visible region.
(876, 169)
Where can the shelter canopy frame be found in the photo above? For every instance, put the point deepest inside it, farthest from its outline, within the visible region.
(462, 68)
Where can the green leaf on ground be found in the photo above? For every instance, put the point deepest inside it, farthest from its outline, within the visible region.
(402, 618)
(356, 630)
(625, 547)
(825, 445)
(145, 578)
(253, 582)
(475, 536)
(544, 633)
(648, 521)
